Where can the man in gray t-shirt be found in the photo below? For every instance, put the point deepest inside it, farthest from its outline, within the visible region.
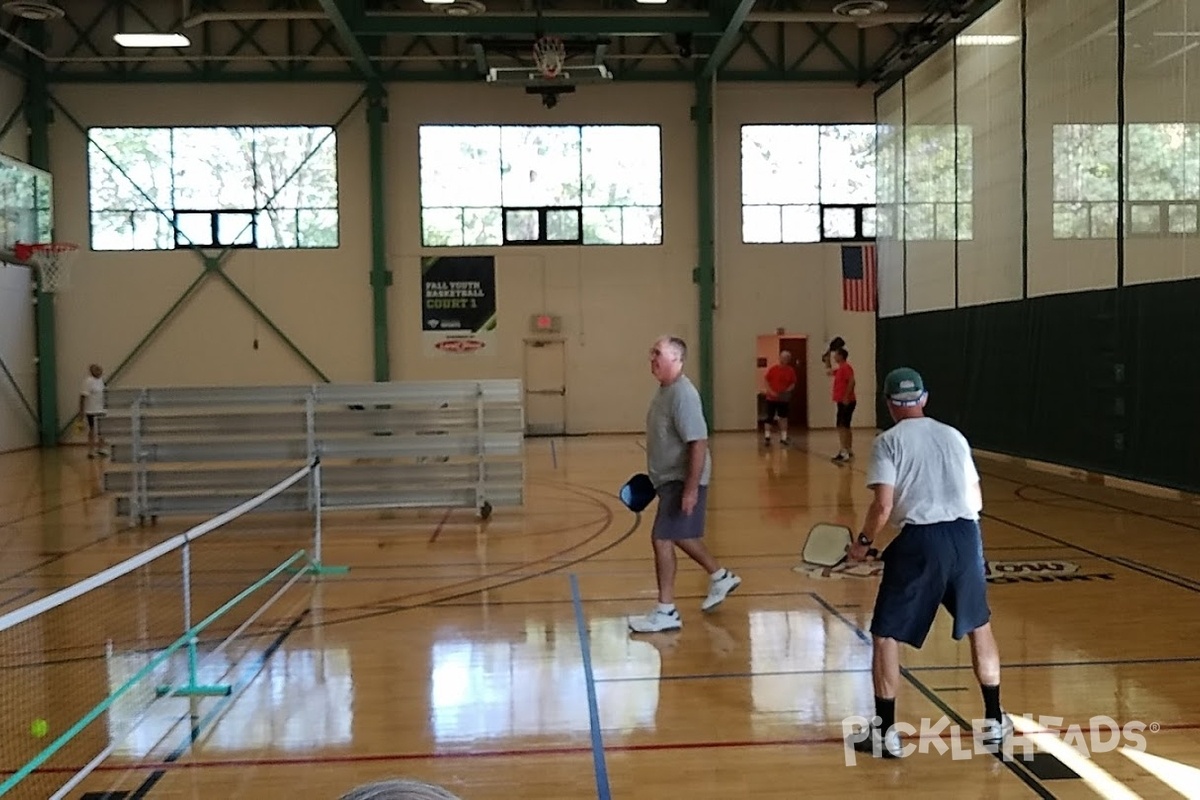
(680, 467)
(925, 483)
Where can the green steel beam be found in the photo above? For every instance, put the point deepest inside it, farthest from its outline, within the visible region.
(705, 272)
(333, 9)
(214, 267)
(527, 24)
(381, 276)
(37, 117)
(729, 39)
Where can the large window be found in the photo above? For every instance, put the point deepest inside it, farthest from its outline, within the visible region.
(937, 183)
(1162, 180)
(484, 185)
(808, 183)
(167, 188)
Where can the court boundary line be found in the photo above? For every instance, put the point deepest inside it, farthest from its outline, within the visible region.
(1023, 774)
(599, 764)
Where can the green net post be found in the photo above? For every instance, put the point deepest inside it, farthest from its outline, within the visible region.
(193, 688)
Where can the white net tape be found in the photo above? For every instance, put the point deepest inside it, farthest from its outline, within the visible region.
(550, 54)
(53, 262)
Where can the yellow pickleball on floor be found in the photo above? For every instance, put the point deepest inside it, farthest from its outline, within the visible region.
(39, 727)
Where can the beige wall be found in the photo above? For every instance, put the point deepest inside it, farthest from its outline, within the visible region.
(15, 142)
(17, 350)
(613, 300)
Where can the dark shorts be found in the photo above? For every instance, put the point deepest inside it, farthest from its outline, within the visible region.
(845, 413)
(93, 420)
(928, 566)
(777, 408)
(670, 523)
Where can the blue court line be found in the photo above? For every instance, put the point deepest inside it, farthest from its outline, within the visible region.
(193, 734)
(601, 768)
(1026, 777)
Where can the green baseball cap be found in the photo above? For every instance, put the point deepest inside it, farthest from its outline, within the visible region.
(904, 386)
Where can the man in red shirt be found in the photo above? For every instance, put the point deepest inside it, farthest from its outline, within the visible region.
(781, 381)
(843, 396)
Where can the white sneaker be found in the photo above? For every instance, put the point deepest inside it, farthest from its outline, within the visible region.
(877, 744)
(656, 622)
(719, 589)
(993, 733)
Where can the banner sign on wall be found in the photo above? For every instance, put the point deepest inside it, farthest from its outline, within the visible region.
(458, 305)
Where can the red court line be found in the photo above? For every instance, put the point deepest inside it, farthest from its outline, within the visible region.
(437, 531)
(362, 758)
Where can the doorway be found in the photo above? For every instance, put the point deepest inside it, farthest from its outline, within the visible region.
(768, 350)
(545, 387)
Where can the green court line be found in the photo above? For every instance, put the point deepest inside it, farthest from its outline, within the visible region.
(104, 705)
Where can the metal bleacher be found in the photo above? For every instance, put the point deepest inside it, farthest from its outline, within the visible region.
(204, 450)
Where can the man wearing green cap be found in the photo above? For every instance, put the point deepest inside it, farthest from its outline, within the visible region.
(925, 484)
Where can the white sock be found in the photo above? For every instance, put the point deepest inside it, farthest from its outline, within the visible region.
(666, 608)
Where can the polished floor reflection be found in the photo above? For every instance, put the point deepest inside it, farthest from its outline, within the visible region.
(452, 649)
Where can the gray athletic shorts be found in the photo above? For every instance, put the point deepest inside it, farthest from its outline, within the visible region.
(670, 523)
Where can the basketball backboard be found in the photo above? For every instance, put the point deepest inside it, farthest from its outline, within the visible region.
(26, 205)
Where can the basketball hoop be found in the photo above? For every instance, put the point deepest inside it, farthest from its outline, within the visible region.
(549, 54)
(53, 261)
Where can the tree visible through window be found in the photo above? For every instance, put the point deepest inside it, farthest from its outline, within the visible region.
(808, 183)
(486, 185)
(1162, 180)
(162, 188)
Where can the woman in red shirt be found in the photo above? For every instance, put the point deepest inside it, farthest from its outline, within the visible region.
(843, 396)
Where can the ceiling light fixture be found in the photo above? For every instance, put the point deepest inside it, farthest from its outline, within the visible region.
(151, 40)
(969, 39)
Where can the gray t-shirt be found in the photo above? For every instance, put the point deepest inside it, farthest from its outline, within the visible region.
(930, 465)
(675, 418)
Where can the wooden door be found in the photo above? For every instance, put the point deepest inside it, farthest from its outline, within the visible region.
(798, 412)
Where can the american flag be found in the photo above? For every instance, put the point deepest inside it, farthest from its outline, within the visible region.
(859, 277)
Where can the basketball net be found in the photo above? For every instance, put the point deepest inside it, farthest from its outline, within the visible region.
(549, 54)
(53, 262)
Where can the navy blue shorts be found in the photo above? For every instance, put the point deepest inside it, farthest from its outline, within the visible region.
(670, 523)
(928, 566)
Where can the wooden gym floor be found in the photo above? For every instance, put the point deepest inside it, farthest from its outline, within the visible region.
(451, 651)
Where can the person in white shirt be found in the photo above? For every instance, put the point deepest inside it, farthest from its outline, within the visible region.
(926, 484)
(91, 408)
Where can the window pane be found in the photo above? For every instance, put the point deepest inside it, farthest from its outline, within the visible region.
(1164, 161)
(482, 226)
(622, 165)
(441, 227)
(761, 225)
(918, 221)
(460, 165)
(1071, 221)
(318, 227)
(296, 167)
(521, 225)
(780, 164)
(801, 223)
(151, 231)
(277, 228)
(847, 163)
(129, 168)
(1182, 218)
(641, 225)
(945, 221)
(602, 226)
(213, 167)
(540, 166)
(194, 230)
(1145, 219)
(838, 223)
(562, 225)
(868, 222)
(1085, 162)
(235, 229)
(1104, 220)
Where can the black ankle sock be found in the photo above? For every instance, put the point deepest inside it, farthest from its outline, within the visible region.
(885, 709)
(991, 701)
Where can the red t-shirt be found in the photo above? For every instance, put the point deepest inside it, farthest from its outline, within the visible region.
(842, 393)
(779, 378)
